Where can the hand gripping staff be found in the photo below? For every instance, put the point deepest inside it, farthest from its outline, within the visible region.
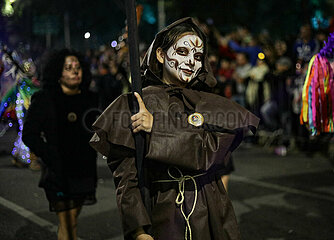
(130, 6)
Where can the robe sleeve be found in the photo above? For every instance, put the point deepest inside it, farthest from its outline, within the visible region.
(113, 138)
(113, 126)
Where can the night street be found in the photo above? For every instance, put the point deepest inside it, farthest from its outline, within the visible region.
(170, 91)
(275, 198)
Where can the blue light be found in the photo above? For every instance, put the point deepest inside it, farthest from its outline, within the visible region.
(151, 19)
(148, 14)
(28, 161)
(28, 88)
(10, 124)
(318, 21)
(23, 157)
(114, 43)
(5, 104)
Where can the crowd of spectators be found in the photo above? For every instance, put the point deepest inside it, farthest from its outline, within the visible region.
(266, 76)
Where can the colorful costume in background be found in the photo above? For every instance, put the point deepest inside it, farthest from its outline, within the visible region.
(16, 90)
(193, 136)
(318, 92)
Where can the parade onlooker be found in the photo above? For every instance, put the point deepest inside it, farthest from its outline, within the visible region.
(240, 76)
(226, 70)
(225, 82)
(56, 130)
(252, 49)
(257, 91)
(108, 87)
(305, 46)
(321, 36)
(224, 50)
(299, 132)
(281, 48)
(278, 104)
(213, 61)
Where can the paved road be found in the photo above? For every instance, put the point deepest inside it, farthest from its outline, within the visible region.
(275, 198)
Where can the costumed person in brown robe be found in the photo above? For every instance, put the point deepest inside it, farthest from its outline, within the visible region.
(57, 130)
(189, 135)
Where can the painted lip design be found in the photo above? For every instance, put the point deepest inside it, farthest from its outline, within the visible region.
(187, 71)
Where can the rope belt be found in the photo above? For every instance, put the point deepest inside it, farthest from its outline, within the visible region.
(180, 196)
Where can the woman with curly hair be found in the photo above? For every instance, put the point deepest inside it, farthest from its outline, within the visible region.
(56, 130)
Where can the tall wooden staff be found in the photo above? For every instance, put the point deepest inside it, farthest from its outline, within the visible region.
(130, 6)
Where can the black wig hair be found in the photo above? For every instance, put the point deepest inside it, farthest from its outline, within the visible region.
(53, 69)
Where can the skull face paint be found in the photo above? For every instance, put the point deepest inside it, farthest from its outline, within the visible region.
(184, 59)
(72, 73)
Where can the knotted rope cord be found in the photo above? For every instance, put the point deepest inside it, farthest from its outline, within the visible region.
(180, 196)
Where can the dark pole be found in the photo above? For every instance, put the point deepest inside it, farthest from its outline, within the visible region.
(131, 17)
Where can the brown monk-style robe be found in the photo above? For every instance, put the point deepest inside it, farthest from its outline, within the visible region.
(196, 205)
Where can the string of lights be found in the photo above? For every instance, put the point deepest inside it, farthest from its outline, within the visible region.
(16, 99)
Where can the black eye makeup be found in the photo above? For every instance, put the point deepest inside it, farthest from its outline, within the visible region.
(69, 67)
(182, 51)
(198, 56)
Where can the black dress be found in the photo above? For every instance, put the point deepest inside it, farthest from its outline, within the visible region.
(57, 130)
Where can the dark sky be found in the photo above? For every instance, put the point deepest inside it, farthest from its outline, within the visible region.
(104, 19)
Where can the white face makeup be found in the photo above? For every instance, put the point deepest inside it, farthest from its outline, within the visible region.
(72, 73)
(184, 58)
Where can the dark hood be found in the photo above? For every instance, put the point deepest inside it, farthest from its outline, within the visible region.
(205, 78)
